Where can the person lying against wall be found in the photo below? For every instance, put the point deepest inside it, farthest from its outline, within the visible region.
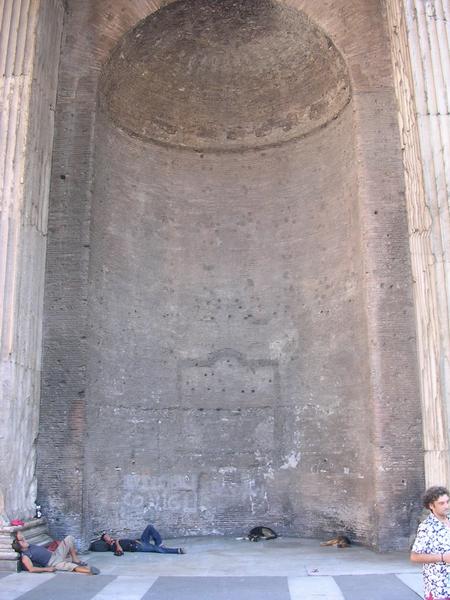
(38, 559)
(150, 541)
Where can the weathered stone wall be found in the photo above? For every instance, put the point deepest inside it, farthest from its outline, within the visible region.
(133, 314)
(31, 35)
(228, 363)
(64, 347)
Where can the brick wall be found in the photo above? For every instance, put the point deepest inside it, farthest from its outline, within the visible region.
(281, 275)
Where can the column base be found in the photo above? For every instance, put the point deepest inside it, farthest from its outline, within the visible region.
(35, 532)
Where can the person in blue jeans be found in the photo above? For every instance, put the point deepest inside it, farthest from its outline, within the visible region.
(143, 544)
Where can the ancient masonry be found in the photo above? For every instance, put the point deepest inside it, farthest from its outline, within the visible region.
(224, 265)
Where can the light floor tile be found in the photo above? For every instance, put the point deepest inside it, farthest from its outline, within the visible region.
(414, 581)
(314, 588)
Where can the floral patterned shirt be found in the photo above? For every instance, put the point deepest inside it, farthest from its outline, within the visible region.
(433, 537)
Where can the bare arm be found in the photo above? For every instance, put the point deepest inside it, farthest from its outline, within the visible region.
(427, 559)
(118, 548)
(32, 569)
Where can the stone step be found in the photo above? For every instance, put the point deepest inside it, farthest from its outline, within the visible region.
(5, 555)
(39, 537)
(12, 566)
(6, 545)
(34, 537)
(27, 525)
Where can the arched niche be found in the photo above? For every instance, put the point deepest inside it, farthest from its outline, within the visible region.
(228, 345)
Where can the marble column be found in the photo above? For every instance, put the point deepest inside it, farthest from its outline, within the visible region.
(420, 36)
(30, 39)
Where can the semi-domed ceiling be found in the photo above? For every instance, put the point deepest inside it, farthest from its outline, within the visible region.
(224, 75)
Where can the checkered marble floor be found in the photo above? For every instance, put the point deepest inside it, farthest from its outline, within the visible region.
(67, 586)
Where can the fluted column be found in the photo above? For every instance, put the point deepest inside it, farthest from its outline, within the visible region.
(420, 36)
(30, 37)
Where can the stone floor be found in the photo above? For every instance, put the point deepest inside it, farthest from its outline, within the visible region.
(230, 569)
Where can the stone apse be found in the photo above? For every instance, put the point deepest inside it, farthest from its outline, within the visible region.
(228, 319)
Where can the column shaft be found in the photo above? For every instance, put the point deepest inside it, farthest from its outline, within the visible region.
(30, 36)
(420, 34)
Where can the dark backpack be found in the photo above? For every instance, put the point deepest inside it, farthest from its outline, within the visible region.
(99, 546)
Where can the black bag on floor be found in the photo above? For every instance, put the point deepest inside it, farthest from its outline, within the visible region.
(99, 546)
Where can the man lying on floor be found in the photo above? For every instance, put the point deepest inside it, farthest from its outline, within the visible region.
(143, 544)
(38, 559)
